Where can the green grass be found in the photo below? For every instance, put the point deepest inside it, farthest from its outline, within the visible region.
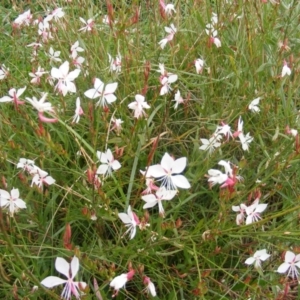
(196, 251)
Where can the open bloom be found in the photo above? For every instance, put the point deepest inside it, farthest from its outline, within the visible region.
(14, 96)
(11, 201)
(131, 221)
(166, 9)
(244, 139)
(41, 106)
(37, 75)
(227, 179)
(138, 106)
(241, 209)
(115, 65)
(105, 93)
(150, 287)
(26, 165)
(69, 271)
(89, 24)
(211, 144)
(213, 33)
(290, 265)
(75, 48)
(168, 171)
(224, 129)
(23, 19)
(177, 99)
(166, 79)
(78, 111)
(253, 106)
(108, 163)
(116, 125)
(65, 78)
(120, 281)
(160, 195)
(40, 177)
(254, 210)
(171, 32)
(54, 55)
(257, 258)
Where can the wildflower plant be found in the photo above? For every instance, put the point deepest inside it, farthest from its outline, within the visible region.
(155, 143)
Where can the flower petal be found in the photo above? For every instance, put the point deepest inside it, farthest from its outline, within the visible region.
(62, 266)
(74, 266)
(52, 281)
(181, 181)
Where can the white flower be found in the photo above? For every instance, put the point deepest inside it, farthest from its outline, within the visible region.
(168, 171)
(150, 287)
(108, 163)
(160, 195)
(41, 177)
(131, 221)
(54, 55)
(89, 24)
(211, 144)
(3, 72)
(253, 106)
(224, 129)
(115, 64)
(171, 32)
(216, 177)
(244, 139)
(138, 106)
(65, 79)
(11, 201)
(41, 105)
(26, 164)
(178, 99)
(78, 111)
(23, 19)
(117, 125)
(199, 64)
(290, 265)
(57, 13)
(257, 258)
(254, 210)
(285, 70)
(75, 48)
(169, 9)
(166, 79)
(14, 96)
(37, 75)
(241, 215)
(120, 281)
(69, 271)
(105, 93)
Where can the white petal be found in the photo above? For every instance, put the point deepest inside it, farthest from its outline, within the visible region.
(110, 88)
(289, 256)
(116, 165)
(250, 261)
(179, 165)
(125, 218)
(102, 169)
(181, 181)
(283, 268)
(91, 93)
(62, 266)
(74, 266)
(52, 281)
